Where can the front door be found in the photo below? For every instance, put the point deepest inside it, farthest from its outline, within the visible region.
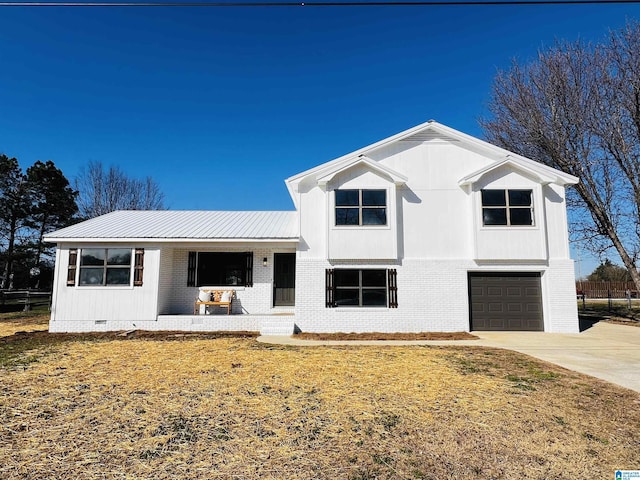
(284, 279)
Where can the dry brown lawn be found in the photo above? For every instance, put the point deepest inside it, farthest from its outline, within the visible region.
(10, 323)
(198, 407)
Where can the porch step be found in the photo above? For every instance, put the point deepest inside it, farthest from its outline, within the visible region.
(278, 325)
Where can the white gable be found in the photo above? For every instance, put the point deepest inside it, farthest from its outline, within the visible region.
(429, 132)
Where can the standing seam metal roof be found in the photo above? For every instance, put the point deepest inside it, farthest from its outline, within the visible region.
(184, 224)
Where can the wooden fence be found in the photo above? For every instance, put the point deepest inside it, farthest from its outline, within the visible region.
(13, 300)
(606, 289)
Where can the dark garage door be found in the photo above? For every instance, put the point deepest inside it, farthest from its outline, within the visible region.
(505, 301)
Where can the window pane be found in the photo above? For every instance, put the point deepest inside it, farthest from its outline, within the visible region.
(374, 297)
(493, 198)
(520, 216)
(494, 216)
(346, 278)
(221, 268)
(374, 278)
(347, 198)
(376, 198)
(347, 216)
(374, 216)
(92, 256)
(119, 256)
(91, 276)
(118, 276)
(520, 198)
(347, 297)
(234, 275)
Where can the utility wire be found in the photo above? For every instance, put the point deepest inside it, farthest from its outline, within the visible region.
(437, 3)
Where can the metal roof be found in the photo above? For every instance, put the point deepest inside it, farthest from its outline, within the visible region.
(183, 224)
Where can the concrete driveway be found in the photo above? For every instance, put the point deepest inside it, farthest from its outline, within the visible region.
(606, 351)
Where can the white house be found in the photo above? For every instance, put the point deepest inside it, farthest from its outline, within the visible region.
(428, 230)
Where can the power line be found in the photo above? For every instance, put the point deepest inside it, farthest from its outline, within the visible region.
(436, 3)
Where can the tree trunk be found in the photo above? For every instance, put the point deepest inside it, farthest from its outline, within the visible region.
(8, 266)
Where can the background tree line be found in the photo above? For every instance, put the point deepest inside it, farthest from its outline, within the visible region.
(41, 199)
(609, 272)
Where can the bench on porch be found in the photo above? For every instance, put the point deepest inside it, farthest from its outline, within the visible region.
(211, 297)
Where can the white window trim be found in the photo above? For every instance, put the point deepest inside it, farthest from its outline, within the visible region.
(390, 207)
(535, 196)
(109, 287)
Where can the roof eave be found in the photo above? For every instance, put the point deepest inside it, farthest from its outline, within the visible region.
(59, 240)
(542, 177)
(396, 177)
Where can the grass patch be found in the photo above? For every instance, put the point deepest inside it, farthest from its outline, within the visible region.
(163, 406)
(13, 322)
(522, 372)
(340, 336)
(22, 348)
(597, 310)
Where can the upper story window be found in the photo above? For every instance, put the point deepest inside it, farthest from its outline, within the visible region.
(361, 207)
(105, 266)
(507, 207)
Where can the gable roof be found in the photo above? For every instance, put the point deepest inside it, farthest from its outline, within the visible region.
(184, 225)
(542, 177)
(427, 131)
(396, 177)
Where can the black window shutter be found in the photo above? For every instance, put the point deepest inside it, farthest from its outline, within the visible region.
(138, 267)
(191, 270)
(393, 288)
(330, 288)
(73, 265)
(249, 279)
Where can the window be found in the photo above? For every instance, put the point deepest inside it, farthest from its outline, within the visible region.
(507, 207)
(220, 269)
(361, 288)
(105, 266)
(361, 207)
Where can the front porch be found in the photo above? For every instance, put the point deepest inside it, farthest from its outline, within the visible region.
(260, 278)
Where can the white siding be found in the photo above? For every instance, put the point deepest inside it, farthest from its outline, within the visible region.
(166, 280)
(556, 222)
(103, 303)
(510, 243)
(435, 218)
(165, 295)
(362, 242)
(559, 294)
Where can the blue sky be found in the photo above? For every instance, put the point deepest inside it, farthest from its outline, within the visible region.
(220, 105)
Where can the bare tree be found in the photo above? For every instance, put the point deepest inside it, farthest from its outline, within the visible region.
(577, 108)
(102, 191)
